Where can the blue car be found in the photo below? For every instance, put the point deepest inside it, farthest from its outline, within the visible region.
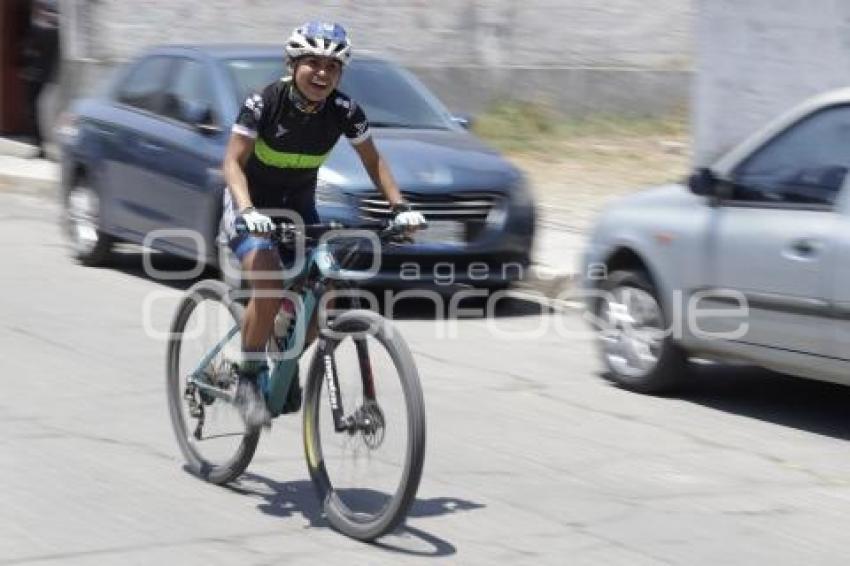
(141, 164)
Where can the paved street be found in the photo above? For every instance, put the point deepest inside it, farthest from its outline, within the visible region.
(532, 457)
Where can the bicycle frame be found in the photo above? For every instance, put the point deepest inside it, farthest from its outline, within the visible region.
(283, 364)
(360, 425)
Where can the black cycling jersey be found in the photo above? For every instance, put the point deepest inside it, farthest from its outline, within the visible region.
(290, 144)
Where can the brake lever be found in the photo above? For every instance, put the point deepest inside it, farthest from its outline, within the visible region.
(393, 229)
(399, 234)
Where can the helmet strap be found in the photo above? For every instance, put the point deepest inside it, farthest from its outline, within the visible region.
(301, 102)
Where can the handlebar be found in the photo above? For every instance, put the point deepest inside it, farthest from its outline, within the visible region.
(287, 233)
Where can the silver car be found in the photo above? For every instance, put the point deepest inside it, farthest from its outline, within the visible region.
(749, 261)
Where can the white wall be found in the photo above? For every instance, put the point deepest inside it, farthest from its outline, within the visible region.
(757, 58)
(579, 54)
(631, 33)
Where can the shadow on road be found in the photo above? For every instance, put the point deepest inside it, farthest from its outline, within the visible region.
(812, 406)
(288, 499)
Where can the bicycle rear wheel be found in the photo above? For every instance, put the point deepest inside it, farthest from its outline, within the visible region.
(368, 473)
(204, 345)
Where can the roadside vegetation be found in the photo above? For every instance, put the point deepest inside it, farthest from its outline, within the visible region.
(593, 157)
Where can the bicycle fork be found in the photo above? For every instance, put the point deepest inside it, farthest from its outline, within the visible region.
(360, 420)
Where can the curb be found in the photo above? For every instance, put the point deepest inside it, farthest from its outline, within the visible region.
(29, 176)
(27, 185)
(548, 282)
(13, 148)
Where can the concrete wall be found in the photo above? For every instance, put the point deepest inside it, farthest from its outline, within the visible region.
(758, 58)
(580, 55)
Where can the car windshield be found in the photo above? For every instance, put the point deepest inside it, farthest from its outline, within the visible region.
(391, 96)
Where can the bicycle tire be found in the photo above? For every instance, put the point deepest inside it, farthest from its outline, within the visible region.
(197, 464)
(341, 518)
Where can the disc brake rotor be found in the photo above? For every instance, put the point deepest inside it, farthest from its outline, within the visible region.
(369, 421)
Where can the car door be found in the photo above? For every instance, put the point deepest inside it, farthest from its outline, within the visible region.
(839, 341)
(133, 172)
(191, 139)
(772, 236)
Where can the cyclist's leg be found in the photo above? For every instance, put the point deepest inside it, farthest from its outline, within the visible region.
(261, 268)
(303, 204)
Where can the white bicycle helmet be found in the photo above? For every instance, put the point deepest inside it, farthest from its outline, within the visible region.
(319, 39)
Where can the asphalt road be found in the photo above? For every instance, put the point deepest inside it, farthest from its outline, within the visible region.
(533, 458)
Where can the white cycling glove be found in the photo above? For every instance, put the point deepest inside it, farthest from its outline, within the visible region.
(406, 218)
(254, 221)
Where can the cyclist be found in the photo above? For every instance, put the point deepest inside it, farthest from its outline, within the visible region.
(280, 139)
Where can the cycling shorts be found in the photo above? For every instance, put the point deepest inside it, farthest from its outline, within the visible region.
(302, 204)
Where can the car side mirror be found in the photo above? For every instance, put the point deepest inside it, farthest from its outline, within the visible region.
(703, 182)
(463, 120)
(202, 118)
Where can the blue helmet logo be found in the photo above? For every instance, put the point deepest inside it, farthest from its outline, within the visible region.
(327, 31)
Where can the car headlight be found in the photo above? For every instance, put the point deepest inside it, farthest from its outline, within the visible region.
(521, 194)
(518, 199)
(497, 215)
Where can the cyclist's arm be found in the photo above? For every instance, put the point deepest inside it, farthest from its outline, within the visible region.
(356, 128)
(239, 148)
(379, 170)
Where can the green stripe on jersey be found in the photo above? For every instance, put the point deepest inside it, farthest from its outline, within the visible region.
(274, 158)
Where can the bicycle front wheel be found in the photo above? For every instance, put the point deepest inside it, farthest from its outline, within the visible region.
(367, 471)
(203, 348)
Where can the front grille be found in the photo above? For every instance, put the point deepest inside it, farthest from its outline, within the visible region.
(464, 208)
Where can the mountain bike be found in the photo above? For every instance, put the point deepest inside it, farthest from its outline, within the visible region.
(363, 415)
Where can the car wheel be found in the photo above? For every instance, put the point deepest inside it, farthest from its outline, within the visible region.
(638, 351)
(82, 213)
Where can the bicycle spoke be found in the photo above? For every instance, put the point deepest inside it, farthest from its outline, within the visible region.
(366, 460)
(202, 358)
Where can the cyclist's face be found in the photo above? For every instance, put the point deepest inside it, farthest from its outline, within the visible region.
(316, 77)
